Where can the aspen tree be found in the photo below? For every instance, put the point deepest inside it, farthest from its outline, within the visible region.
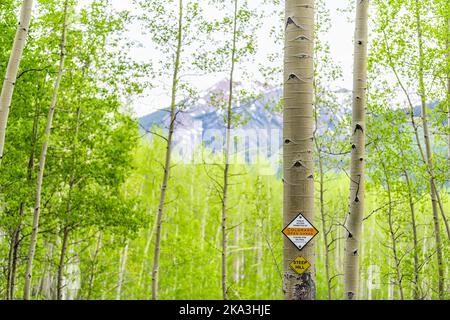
(326, 240)
(425, 155)
(447, 47)
(415, 238)
(67, 226)
(122, 269)
(40, 176)
(428, 153)
(92, 273)
(12, 69)
(173, 113)
(15, 241)
(298, 127)
(392, 230)
(354, 219)
(227, 158)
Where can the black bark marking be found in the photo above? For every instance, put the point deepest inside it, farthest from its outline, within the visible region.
(357, 190)
(291, 21)
(350, 295)
(311, 177)
(293, 76)
(302, 38)
(303, 56)
(361, 159)
(358, 127)
(355, 252)
(350, 236)
(353, 147)
(298, 164)
(287, 141)
(306, 289)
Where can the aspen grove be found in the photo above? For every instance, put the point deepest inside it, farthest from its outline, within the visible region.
(225, 149)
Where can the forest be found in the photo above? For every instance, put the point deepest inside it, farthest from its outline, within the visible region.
(225, 150)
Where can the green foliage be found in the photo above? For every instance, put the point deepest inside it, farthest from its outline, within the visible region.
(102, 180)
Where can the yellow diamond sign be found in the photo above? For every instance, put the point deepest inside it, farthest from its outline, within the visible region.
(300, 265)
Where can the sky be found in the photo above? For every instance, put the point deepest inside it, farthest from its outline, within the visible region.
(339, 37)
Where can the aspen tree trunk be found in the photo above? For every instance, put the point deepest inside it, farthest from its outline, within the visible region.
(46, 280)
(40, 176)
(447, 47)
(394, 245)
(322, 216)
(237, 257)
(392, 232)
(61, 265)
(14, 250)
(65, 242)
(123, 264)
(168, 155)
(416, 242)
(12, 69)
(93, 269)
(354, 219)
(11, 279)
(298, 131)
(429, 157)
(150, 232)
(227, 160)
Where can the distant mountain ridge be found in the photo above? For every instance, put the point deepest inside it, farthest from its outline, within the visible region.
(260, 134)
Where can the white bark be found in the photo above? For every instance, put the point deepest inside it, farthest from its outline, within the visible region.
(162, 200)
(298, 130)
(354, 219)
(42, 160)
(12, 69)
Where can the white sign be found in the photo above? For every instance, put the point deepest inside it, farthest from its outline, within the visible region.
(300, 231)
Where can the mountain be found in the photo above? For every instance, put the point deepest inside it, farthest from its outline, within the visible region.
(258, 134)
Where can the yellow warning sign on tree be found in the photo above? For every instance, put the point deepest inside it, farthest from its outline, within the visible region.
(300, 265)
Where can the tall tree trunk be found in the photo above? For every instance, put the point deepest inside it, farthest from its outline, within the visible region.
(429, 156)
(354, 219)
(61, 265)
(12, 69)
(448, 83)
(415, 239)
(46, 280)
(93, 270)
(123, 264)
(40, 176)
(393, 232)
(12, 256)
(237, 257)
(16, 235)
(168, 155)
(227, 160)
(324, 224)
(67, 226)
(144, 264)
(298, 127)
